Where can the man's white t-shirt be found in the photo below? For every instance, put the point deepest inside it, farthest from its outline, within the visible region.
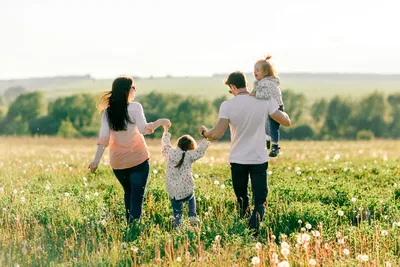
(247, 116)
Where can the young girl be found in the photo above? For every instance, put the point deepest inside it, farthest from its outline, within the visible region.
(179, 180)
(266, 87)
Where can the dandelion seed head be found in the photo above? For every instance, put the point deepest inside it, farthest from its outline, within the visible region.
(308, 226)
(123, 245)
(196, 176)
(384, 233)
(312, 262)
(346, 252)
(216, 182)
(353, 199)
(365, 258)
(300, 221)
(255, 260)
(66, 194)
(283, 264)
(340, 213)
(285, 251)
(388, 264)
(179, 259)
(134, 249)
(258, 245)
(218, 238)
(96, 194)
(155, 171)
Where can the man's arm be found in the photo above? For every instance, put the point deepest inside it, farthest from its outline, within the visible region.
(281, 117)
(217, 132)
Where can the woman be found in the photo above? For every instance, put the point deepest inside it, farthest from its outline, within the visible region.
(123, 125)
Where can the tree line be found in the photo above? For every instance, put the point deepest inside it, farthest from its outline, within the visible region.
(374, 115)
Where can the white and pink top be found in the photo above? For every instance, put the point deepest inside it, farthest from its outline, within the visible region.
(179, 181)
(127, 148)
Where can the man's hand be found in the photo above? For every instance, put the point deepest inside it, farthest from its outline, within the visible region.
(253, 93)
(202, 130)
(93, 166)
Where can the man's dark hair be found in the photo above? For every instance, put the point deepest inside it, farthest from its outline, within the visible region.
(237, 79)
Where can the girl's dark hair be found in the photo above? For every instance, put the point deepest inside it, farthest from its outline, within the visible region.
(115, 103)
(185, 142)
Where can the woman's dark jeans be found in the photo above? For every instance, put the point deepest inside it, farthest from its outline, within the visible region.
(134, 181)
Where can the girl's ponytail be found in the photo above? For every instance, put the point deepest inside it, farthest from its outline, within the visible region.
(185, 142)
(181, 161)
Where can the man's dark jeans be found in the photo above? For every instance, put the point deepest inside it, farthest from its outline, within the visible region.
(259, 185)
(177, 208)
(134, 181)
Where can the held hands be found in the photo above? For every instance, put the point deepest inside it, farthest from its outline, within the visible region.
(202, 130)
(93, 166)
(166, 123)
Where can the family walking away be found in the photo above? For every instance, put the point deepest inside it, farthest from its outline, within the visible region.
(249, 115)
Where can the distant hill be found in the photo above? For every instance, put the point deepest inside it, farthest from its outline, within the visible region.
(313, 85)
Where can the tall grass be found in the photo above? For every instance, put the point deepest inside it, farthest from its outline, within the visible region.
(329, 204)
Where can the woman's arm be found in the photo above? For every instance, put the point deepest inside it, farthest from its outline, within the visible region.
(102, 142)
(136, 112)
(95, 163)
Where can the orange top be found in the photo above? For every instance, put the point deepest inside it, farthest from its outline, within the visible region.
(127, 148)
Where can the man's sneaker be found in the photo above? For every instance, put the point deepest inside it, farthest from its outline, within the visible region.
(268, 144)
(274, 150)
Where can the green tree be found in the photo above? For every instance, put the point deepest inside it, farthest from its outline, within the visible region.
(16, 126)
(28, 106)
(371, 115)
(22, 112)
(192, 113)
(338, 119)
(294, 105)
(318, 110)
(394, 125)
(67, 130)
(80, 110)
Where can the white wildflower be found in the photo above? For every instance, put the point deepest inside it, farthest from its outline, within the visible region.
(255, 260)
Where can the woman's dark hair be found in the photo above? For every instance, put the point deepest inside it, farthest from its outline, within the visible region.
(237, 79)
(115, 103)
(185, 142)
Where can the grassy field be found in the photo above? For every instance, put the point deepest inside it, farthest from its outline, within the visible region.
(314, 86)
(330, 204)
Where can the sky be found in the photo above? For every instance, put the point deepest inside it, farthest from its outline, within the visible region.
(42, 38)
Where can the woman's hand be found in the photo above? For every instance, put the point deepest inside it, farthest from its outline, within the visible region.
(93, 166)
(165, 123)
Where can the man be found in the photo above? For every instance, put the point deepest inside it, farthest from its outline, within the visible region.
(246, 117)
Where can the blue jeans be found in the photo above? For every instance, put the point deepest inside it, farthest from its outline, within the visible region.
(272, 128)
(259, 184)
(134, 181)
(177, 208)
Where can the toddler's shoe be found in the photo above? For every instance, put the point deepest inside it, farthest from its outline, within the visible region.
(274, 150)
(268, 144)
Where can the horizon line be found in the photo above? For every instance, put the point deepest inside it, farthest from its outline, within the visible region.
(89, 76)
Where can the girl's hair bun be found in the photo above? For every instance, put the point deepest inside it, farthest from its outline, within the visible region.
(268, 57)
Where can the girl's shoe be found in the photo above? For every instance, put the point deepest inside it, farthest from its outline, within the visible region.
(274, 150)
